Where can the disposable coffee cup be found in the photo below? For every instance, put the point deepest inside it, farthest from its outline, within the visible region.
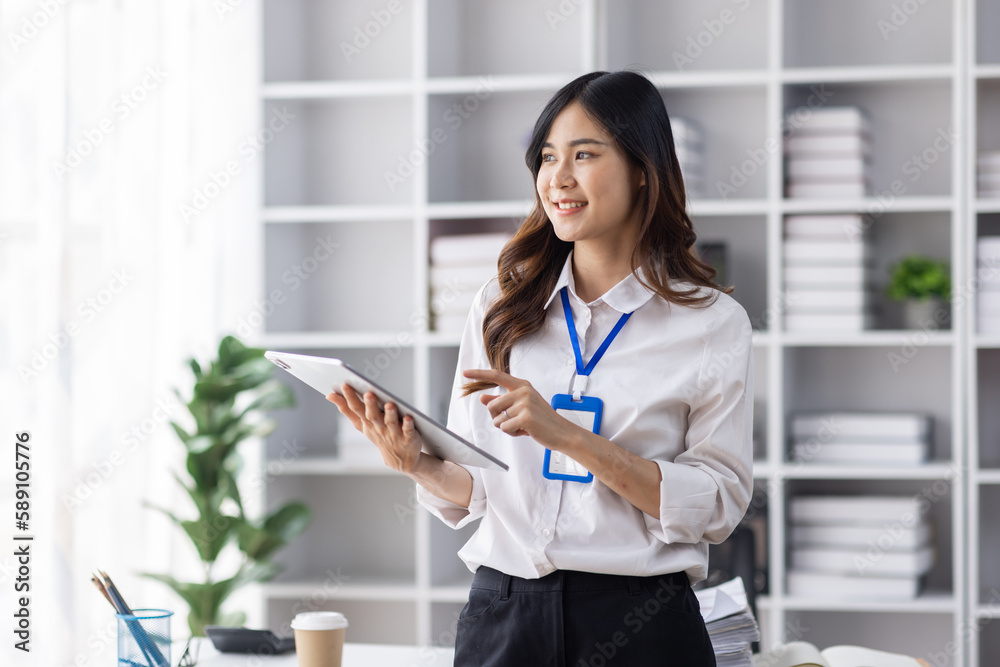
(319, 638)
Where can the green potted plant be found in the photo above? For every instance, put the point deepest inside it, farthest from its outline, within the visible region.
(923, 285)
(227, 406)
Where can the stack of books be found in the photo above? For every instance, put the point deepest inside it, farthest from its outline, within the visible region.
(460, 265)
(858, 547)
(828, 153)
(989, 285)
(827, 270)
(989, 174)
(690, 152)
(730, 622)
(861, 438)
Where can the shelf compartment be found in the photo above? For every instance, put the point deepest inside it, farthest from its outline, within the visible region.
(447, 569)
(309, 430)
(315, 40)
(894, 236)
(988, 636)
(371, 621)
(443, 367)
(479, 144)
(988, 584)
(320, 158)
(318, 277)
(373, 540)
(936, 499)
(866, 32)
(472, 38)
(444, 622)
(745, 240)
(912, 152)
(824, 379)
(696, 37)
(987, 19)
(987, 118)
(735, 145)
(987, 398)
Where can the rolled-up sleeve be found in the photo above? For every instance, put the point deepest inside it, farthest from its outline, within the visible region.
(471, 354)
(706, 489)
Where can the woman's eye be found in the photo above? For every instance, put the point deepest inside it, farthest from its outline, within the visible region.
(547, 158)
(584, 154)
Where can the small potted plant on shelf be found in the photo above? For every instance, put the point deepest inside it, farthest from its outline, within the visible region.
(923, 285)
(228, 404)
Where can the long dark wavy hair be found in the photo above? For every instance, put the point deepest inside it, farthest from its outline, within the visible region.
(628, 106)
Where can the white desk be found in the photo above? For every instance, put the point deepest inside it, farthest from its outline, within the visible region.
(355, 655)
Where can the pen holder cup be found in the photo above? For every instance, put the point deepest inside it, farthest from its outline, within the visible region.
(144, 638)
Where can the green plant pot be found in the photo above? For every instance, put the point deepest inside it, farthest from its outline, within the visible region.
(932, 313)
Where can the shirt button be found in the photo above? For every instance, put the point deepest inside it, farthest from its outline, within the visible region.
(546, 532)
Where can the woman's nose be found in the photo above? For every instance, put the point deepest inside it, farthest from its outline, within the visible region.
(562, 176)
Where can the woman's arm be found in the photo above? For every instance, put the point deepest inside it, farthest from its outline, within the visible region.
(400, 446)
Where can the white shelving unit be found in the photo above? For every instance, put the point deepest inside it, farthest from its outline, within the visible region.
(983, 381)
(345, 254)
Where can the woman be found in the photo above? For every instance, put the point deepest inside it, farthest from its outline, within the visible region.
(621, 472)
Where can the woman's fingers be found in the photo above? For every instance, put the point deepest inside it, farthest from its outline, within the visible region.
(392, 420)
(345, 409)
(353, 402)
(372, 411)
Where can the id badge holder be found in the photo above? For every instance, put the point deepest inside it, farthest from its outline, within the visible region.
(586, 413)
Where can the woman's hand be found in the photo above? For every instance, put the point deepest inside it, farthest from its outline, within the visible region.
(523, 411)
(397, 440)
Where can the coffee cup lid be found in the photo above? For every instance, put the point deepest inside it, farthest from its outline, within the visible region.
(319, 620)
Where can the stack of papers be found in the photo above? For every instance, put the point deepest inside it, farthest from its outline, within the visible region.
(828, 153)
(460, 265)
(827, 264)
(730, 623)
(690, 153)
(989, 174)
(861, 438)
(989, 285)
(858, 547)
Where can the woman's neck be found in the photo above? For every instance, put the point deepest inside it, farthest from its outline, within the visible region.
(596, 270)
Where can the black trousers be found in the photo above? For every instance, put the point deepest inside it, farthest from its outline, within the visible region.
(581, 619)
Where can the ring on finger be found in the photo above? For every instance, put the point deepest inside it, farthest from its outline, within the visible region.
(506, 415)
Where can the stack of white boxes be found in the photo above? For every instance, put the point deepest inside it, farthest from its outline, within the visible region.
(989, 285)
(460, 265)
(827, 261)
(858, 547)
(690, 153)
(828, 153)
(989, 174)
(861, 438)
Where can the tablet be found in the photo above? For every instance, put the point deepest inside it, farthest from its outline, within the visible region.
(328, 375)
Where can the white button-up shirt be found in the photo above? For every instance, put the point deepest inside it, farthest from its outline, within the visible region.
(677, 388)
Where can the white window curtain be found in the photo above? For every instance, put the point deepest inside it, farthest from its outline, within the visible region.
(115, 115)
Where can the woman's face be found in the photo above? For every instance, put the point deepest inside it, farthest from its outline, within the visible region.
(586, 184)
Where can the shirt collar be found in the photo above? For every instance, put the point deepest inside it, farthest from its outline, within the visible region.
(628, 295)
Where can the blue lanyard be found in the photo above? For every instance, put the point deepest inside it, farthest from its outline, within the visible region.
(580, 368)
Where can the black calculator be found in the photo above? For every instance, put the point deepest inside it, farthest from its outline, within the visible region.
(245, 640)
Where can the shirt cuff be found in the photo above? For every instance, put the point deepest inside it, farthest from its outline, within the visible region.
(453, 514)
(688, 498)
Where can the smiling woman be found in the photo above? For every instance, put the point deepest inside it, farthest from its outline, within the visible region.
(621, 472)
